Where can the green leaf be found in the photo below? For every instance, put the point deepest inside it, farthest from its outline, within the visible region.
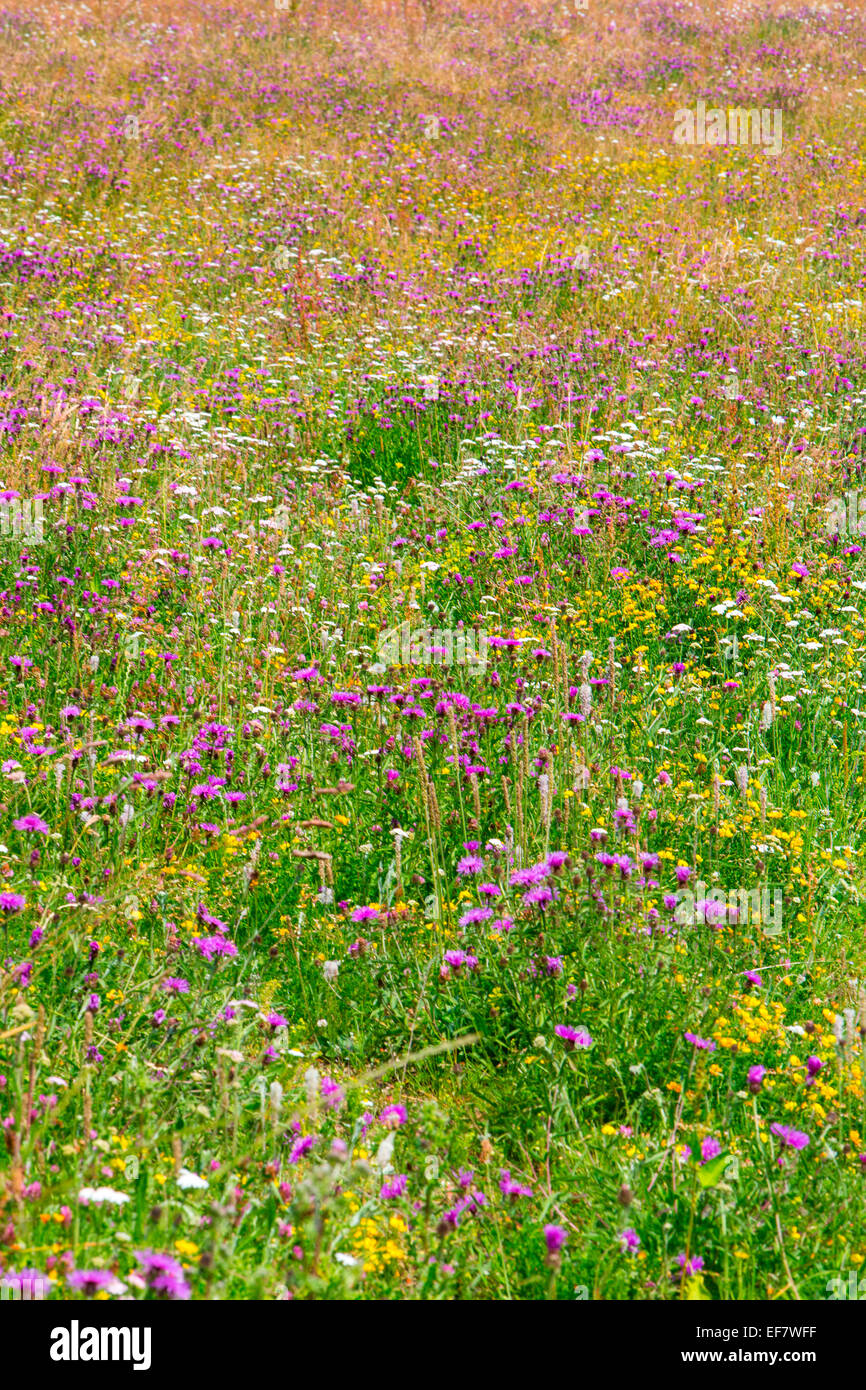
(694, 1289)
(711, 1173)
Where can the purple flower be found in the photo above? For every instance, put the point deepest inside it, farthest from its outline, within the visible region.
(541, 894)
(509, 1188)
(789, 1138)
(93, 1281)
(528, 878)
(756, 1078)
(690, 1266)
(364, 914)
(332, 1093)
(393, 1116)
(175, 985)
(211, 946)
(554, 1238)
(710, 1148)
(395, 1188)
(302, 1147)
(629, 1240)
(475, 915)
(572, 1037)
(32, 823)
(164, 1275)
(12, 902)
(702, 1044)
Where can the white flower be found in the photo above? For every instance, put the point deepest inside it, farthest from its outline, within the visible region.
(331, 970)
(276, 1098)
(98, 1195)
(186, 1179)
(385, 1152)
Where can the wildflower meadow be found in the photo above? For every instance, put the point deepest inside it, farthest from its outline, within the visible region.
(432, 642)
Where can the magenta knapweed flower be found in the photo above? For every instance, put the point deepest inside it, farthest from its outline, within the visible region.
(557, 860)
(211, 946)
(554, 1238)
(94, 1281)
(789, 1138)
(31, 823)
(710, 1148)
(453, 962)
(509, 1188)
(164, 1275)
(395, 1187)
(475, 915)
(536, 896)
(702, 1044)
(393, 1116)
(572, 1037)
(364, 914)
(275, 1021)
(756, 1077)
(628, 1240)
(528, 878)
(12, 902)
(332, 1093)
(302, 1147)
(690, 1266)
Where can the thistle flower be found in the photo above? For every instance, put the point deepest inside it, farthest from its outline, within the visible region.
(554, 1239)
(789, 1138)
(572, 1037)
(31, 824)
